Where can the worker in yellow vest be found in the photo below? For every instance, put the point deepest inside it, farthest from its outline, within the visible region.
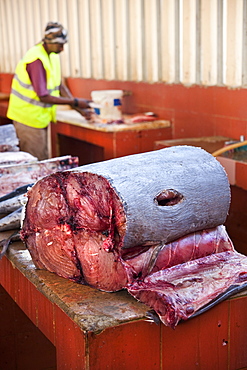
(36, 90)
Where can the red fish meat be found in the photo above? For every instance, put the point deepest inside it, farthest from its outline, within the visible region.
(176, 293)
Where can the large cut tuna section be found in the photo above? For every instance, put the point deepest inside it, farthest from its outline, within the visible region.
(74, 226)
(151, 223)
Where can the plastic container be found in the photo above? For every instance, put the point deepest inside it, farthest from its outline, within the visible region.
(109, 104)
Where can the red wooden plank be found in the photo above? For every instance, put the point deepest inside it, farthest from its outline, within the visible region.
(26, 296)
(126, 143)
(238, 333)
(198, 343)
(102, 139)
(5, 82)
(148, 138)
(135, 345)
(45, 317)
(7, 276)
(241, 175)
(213, 338)
(70, 343)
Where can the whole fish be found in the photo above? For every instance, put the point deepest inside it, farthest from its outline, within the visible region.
(18, 191)
(12, 221)
(6, 242)
(12, 204)
(13, 176)
(12, 158)
(8, 138)
(14, 200)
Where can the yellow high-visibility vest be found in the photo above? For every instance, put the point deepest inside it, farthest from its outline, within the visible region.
(24, 104)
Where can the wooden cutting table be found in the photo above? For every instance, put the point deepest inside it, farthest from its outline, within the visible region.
(4, 101)
(96, 330)
(94, 142)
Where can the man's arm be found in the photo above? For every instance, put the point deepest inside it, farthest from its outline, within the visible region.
(37, 75)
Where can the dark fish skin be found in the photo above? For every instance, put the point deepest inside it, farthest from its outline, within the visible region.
(151, 316)
(233, 289)
(18, 191)
(6, 242)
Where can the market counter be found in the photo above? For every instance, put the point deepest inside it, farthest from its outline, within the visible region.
(4, 102)
(97, 330)
(94, 142)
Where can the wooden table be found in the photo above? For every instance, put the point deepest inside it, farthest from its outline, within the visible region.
(208, 143)
(97, 330)
(94, 142)
(4, 102)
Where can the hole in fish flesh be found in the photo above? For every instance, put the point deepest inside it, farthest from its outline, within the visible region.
(168, 197)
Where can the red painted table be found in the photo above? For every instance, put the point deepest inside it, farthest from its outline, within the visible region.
(97, 330)
(94, 142)
(4, 102)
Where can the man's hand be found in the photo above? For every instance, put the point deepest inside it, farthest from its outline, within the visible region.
(82, 103)
(87, 113)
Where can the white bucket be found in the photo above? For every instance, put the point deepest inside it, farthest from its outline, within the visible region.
(109, 104)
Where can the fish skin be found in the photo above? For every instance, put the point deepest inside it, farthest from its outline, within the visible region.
(18, 191)
(14, 176)
(233, 289)
(6, 242)
(12, 204)
(12, 158)
(11, 221)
